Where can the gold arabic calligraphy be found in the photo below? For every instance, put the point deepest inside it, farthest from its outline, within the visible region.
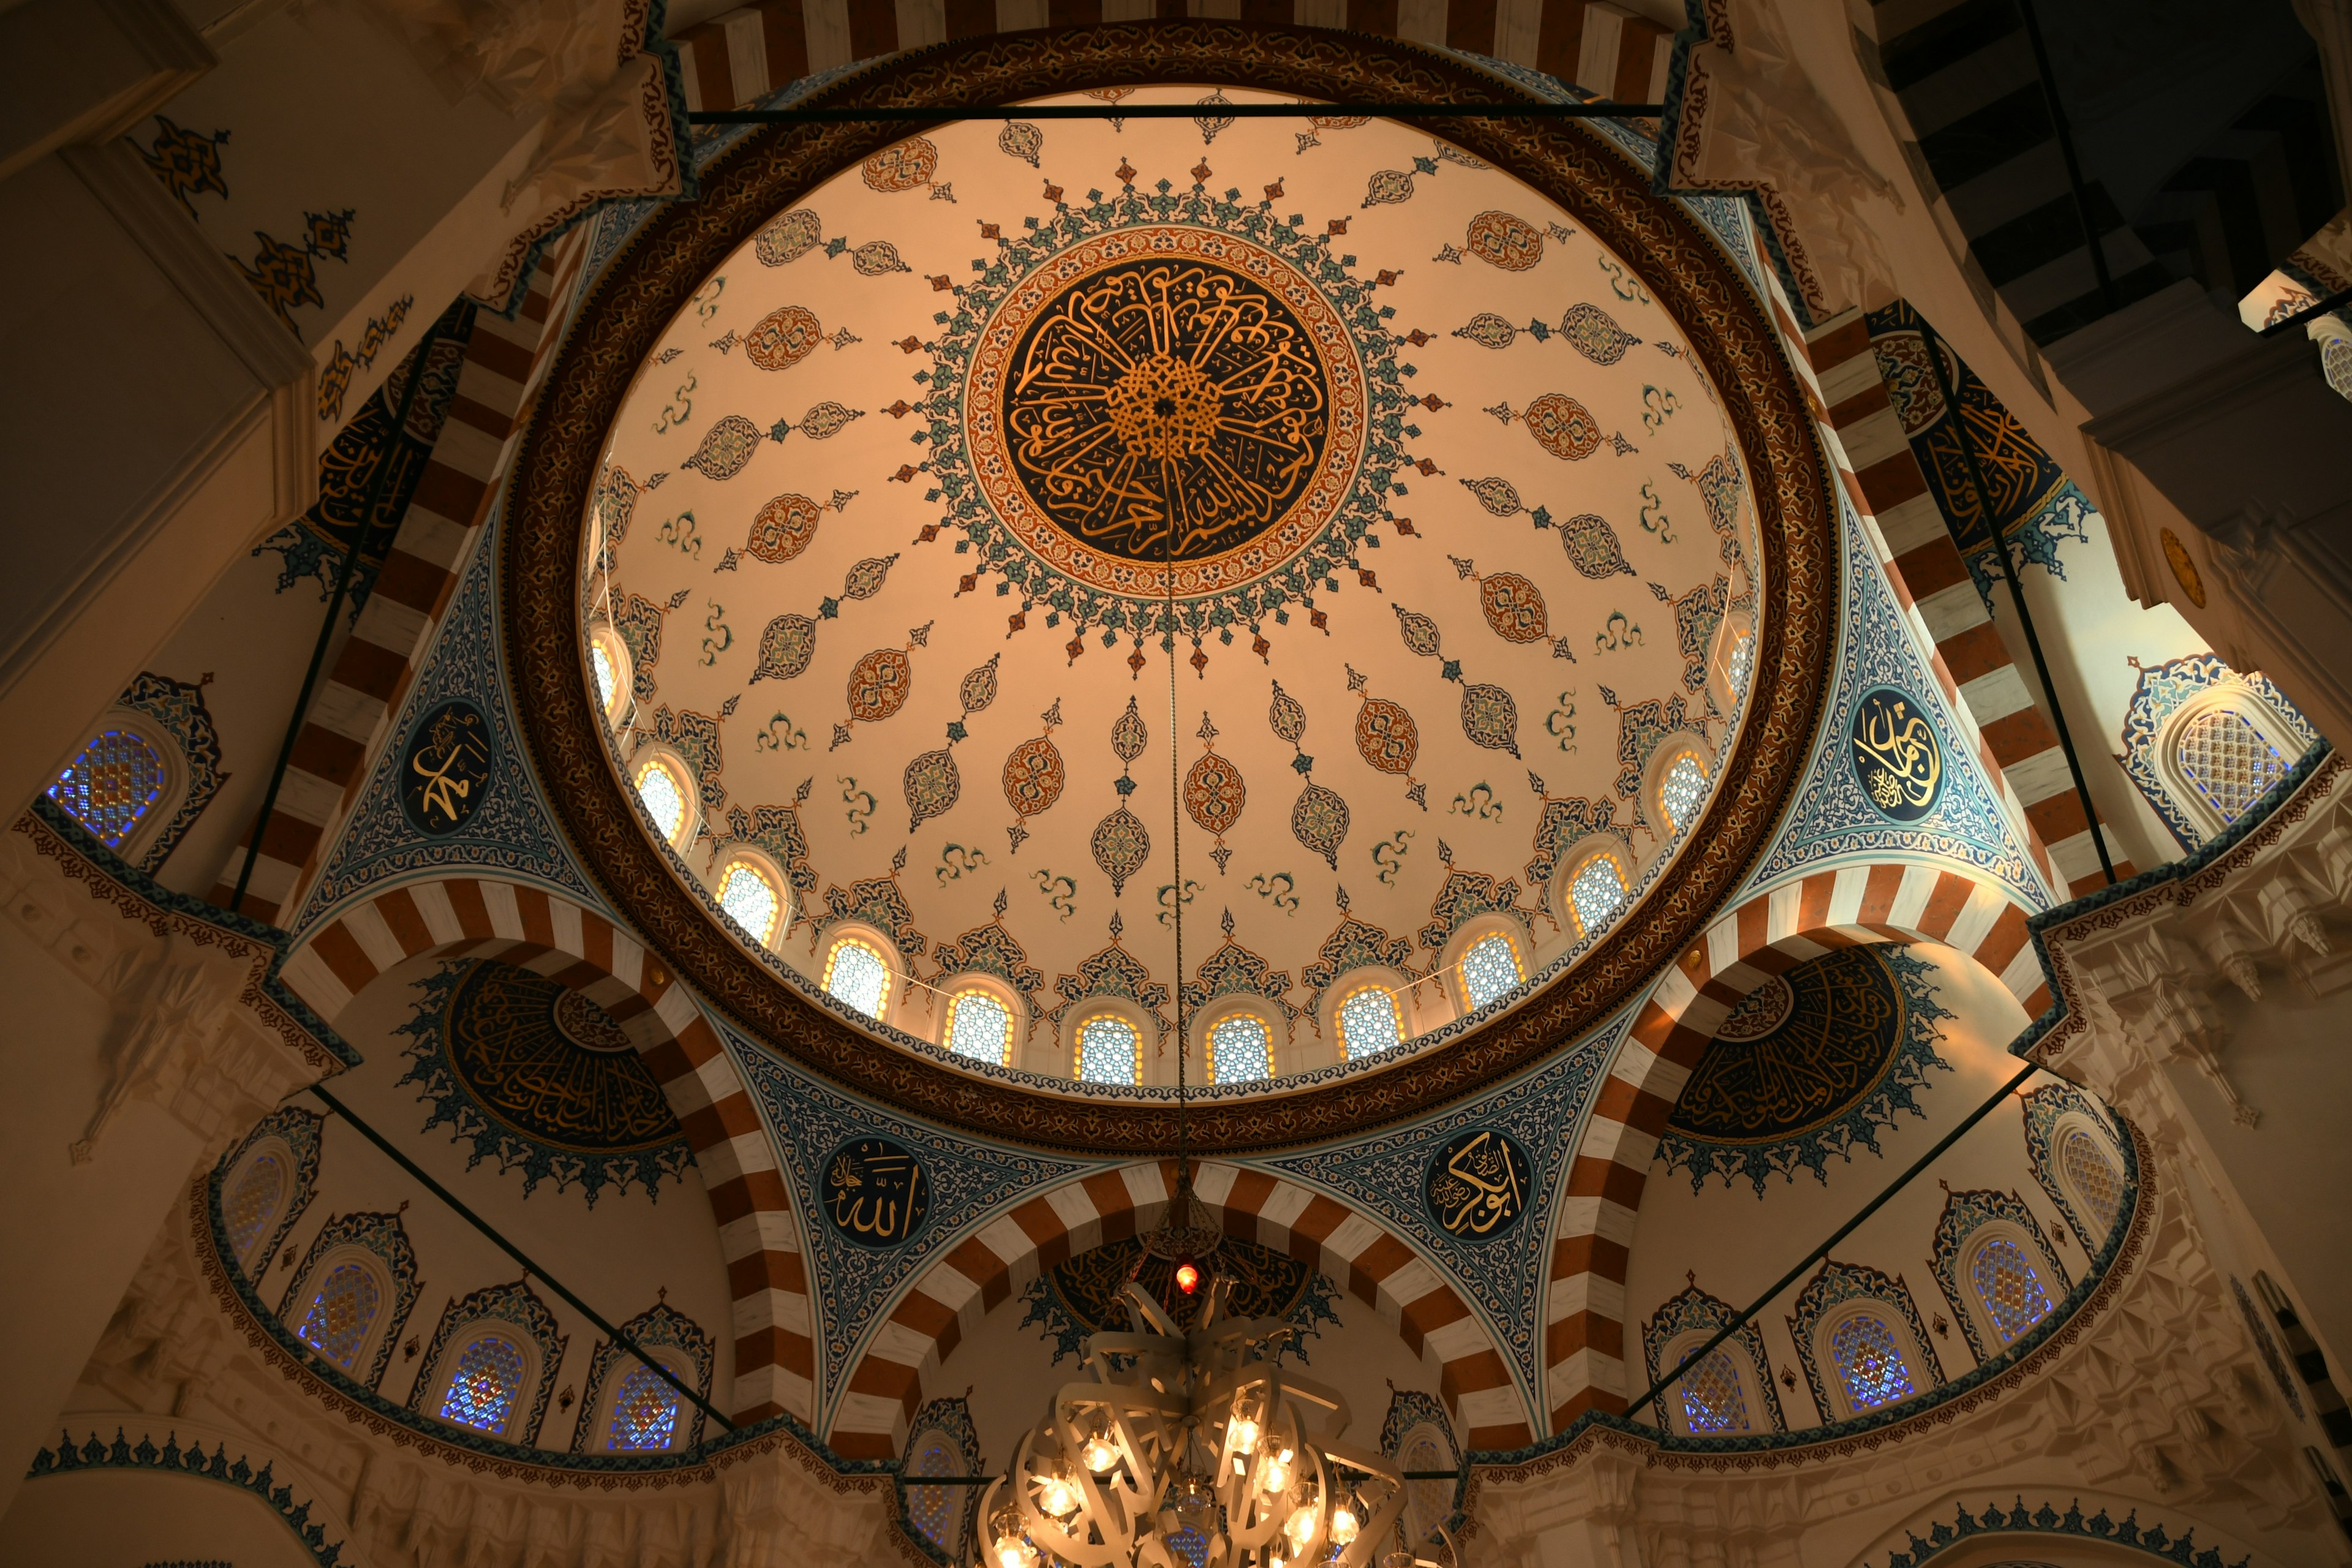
(874, 1196)
(1479, 1190)
(1897, 756)
(448, 766)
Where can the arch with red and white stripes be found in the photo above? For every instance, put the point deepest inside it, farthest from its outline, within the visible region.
(1767, 933)
(543, 932)
(890, 1379)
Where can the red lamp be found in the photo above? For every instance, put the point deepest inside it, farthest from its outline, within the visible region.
(1188, 1274)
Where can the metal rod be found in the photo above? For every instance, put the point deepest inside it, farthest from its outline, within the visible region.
(908, 1481)
(343, 574)
(511, 1250)
(940, 113)
(2067, 150)
(2340, 297)
(2017, 592)
(1818, 1253)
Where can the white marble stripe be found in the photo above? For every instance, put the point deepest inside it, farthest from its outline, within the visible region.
(368, 928)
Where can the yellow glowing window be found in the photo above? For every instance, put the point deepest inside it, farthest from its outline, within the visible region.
(600, 660)
(1240, 1049)
(1684, 787)
(665, 801)
(1367, 1022)
(750, 900)
(857, 976)
(1490, 969)
(1598, 892)
(980, 1026)
(1109, 1051)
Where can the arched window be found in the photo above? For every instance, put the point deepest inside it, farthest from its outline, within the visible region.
(750, 899)
(1684, 787)
(1714, 1401)
(2227, 761)
(1368, 1023)
(934, 1509)
(608, 679)
(1109, 1051)
(980, 1026)
(113, 784)
(1743, 660)
(1596, 893)
(1870, 1361)
(2095, 1179)
(2009, 1286)
(341, 1314)
(1239, 1050)
(255, 1199)
(484, 1389)
(644, 1414)
(664, 796)
(1426, 1503)
(856, 975)
(1489, 969)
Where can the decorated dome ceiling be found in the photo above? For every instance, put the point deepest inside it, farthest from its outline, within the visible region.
(1021, 510)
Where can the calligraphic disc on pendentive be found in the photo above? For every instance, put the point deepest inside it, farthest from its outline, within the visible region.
(1476, 1185)
(445, 772)
(1897, 758)
(874, 1192)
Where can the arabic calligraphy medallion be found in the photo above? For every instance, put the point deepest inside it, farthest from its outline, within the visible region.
(1839, 1022)
(1161, 393)
(549, 1065)
(1476, 1185)
(875, 1192)
(1897, 759)
(445, 772)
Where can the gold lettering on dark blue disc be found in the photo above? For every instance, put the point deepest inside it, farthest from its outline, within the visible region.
(445, 772)
(1166, 408)
(875, 1192)
(1477, 1186)
(1897, 757)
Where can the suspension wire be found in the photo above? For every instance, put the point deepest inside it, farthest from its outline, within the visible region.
(2083, 209)
(1176, 909)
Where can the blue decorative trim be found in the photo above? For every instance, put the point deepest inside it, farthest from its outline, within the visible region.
(1694, 1308)
(2162, 690)
(178, 705)
(172, 1460)
(300, 1130)
(1965, 1213)
(517, 1307)
(380, 1234)
(661, 1326)
(2152, 1539)
(1838, 1283)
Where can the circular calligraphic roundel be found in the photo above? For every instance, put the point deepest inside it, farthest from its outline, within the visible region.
(875, 1192)
(1166, 394)
(444, 773)
(1840, 1020)
(539, 1059)
(1476, 1185)
(1897, 758)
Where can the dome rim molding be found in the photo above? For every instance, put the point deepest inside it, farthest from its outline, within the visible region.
(1790, 475)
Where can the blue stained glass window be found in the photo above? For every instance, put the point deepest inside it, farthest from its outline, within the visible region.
(1239, 1050)
(1106, 1050)
(1426, 1503)
(933, 1508)
(253, 1203)
(1191, 1545)
(1869, 1363)
(2227, 761)
(342, 1311)
(109, 787)
(1490, 969)
(1598, 892)
(1713, 1399)
(482, 1392)
(2010, 1287)
(644, 1414)
(1367, 1022)
(980, 1028)
(856, 975)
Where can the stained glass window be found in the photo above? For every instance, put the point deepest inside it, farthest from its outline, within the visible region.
(644, 1414)
(1426, 1503)
(1743, 660)
(933, 1508)
(2227, 761)
(980, 1026)
(664, 802)
(2009, 1286)
(600, 660)
(483, 1389)
(1367, 1022)
(1684, 787)
(1107, 1051)
(1598, 892)
(342, 1311)
(1713, 1399)
(2095, 1179)
(254, 1202)
(750, 900)
(108, 788)
(856, 976)
(1191, 1545)
(1239, 1050)
(1868, 1362)
(1490, 969)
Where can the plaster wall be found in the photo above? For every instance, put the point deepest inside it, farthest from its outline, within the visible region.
(113, 1520)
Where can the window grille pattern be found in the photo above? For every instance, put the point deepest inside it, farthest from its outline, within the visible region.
(2227, 761)
(644, 1414)
(1191, 1546)
(2095, 1179)
(1684, 787)
(1367, 1022)
(980, 1028)
(340, 1314)
(1712, 1400)
(111, 785)
(483, 1389)
(855, 976)
(600, 662)
(1107, 1051)
(1743, 660)
(2010, 1287)
(1490, 969)
(1868, 1362)
(664, 802)
(750, 900)
(253, 1203)
(1239, 1050)
(1426, 1503)
(1598, 892)
(933, 1508)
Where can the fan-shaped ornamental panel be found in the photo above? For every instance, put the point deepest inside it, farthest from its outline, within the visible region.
(1043, 550)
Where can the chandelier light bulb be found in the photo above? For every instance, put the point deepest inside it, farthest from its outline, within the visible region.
(1188, 1275)
(1057, 1497)
(1343, 1526)
(1244, 1436)
(1300, 1526)
(1277, 1475)
(1012, 1553)
(1100, 1454)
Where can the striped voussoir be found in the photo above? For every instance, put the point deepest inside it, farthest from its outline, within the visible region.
(352, 707)
(1585, 1336)
(742, 56)
(2015, 739)
(887, 1382)
(550, 935)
